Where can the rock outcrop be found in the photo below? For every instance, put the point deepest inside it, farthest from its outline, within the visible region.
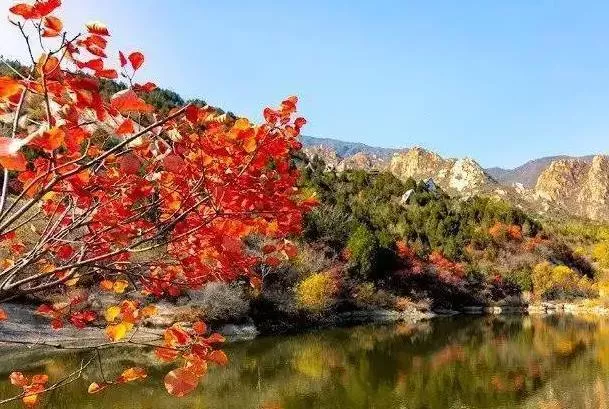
(462, 176)
(577, 187)
(363, 161)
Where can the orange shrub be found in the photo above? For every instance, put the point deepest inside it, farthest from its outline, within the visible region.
(501, 231)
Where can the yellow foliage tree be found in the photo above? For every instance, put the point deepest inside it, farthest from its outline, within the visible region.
(560, 280)
(600, 252)
(316, 292)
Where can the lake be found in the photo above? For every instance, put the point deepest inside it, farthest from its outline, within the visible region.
(542, 362)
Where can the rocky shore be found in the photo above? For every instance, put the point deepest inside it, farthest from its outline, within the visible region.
(25, 326)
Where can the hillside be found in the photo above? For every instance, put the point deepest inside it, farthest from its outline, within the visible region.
(528, 173)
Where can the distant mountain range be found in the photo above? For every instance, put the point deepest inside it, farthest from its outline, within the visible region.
(554, 185)
(526, 174)
(345, 149)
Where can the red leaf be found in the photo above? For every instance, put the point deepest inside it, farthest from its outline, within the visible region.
(96, 27)
(122, 58)
(268, 248)
(166, 354)
(56, 324)
(9, 87)
(48, 65)
(175, 335)
(45, 309)
(40, 379)
(74, 138)
(290, 250)
(109, 74)
(96, 50)
(96, 64)
(126, 127)
(18, 379)
(136, 59)
(218, 357)
(16, 162)
(192, 113)
(132, 374)
(299, 122)
(129, 164)
(272, 261)
(181, 382)
(50, 140)
(3, 315)
(44, 8)
(52, 26)
(173, 163)
(199, 327)
(24, 10)
(214, 338)
(64, 251)
(128, 101)
(37, 11)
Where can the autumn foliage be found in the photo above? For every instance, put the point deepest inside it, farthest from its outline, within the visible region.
(316, 292)
(115, 197)
(505, 231)
(446, 270)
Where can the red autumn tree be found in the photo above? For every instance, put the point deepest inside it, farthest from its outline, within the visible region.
(115, 195)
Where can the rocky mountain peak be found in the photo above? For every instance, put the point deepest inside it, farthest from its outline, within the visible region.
(454, 175)
(467, 174)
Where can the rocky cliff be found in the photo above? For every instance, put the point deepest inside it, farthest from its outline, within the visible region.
(576, 186)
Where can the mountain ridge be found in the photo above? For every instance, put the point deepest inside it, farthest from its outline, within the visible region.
(525, 174)
(552, 185)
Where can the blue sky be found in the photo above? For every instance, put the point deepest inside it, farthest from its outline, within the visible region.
(499, 81)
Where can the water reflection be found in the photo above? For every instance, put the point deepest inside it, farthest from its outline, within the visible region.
(464, 362)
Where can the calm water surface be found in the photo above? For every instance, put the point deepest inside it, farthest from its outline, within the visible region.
(464, 362)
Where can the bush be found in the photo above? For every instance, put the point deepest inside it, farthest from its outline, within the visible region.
(553, 282)
(559, 252)
(600, 252)
(221, 301)
(521, 277)
(316, 292)
(367, 296)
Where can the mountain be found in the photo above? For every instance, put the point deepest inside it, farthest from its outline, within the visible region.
(525, 174)
(461, 176)
(553, 185)
(528, 173)
(344, 149)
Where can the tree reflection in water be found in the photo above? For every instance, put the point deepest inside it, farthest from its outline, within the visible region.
(460, 362)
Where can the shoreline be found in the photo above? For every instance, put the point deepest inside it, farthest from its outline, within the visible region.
(29, 328)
